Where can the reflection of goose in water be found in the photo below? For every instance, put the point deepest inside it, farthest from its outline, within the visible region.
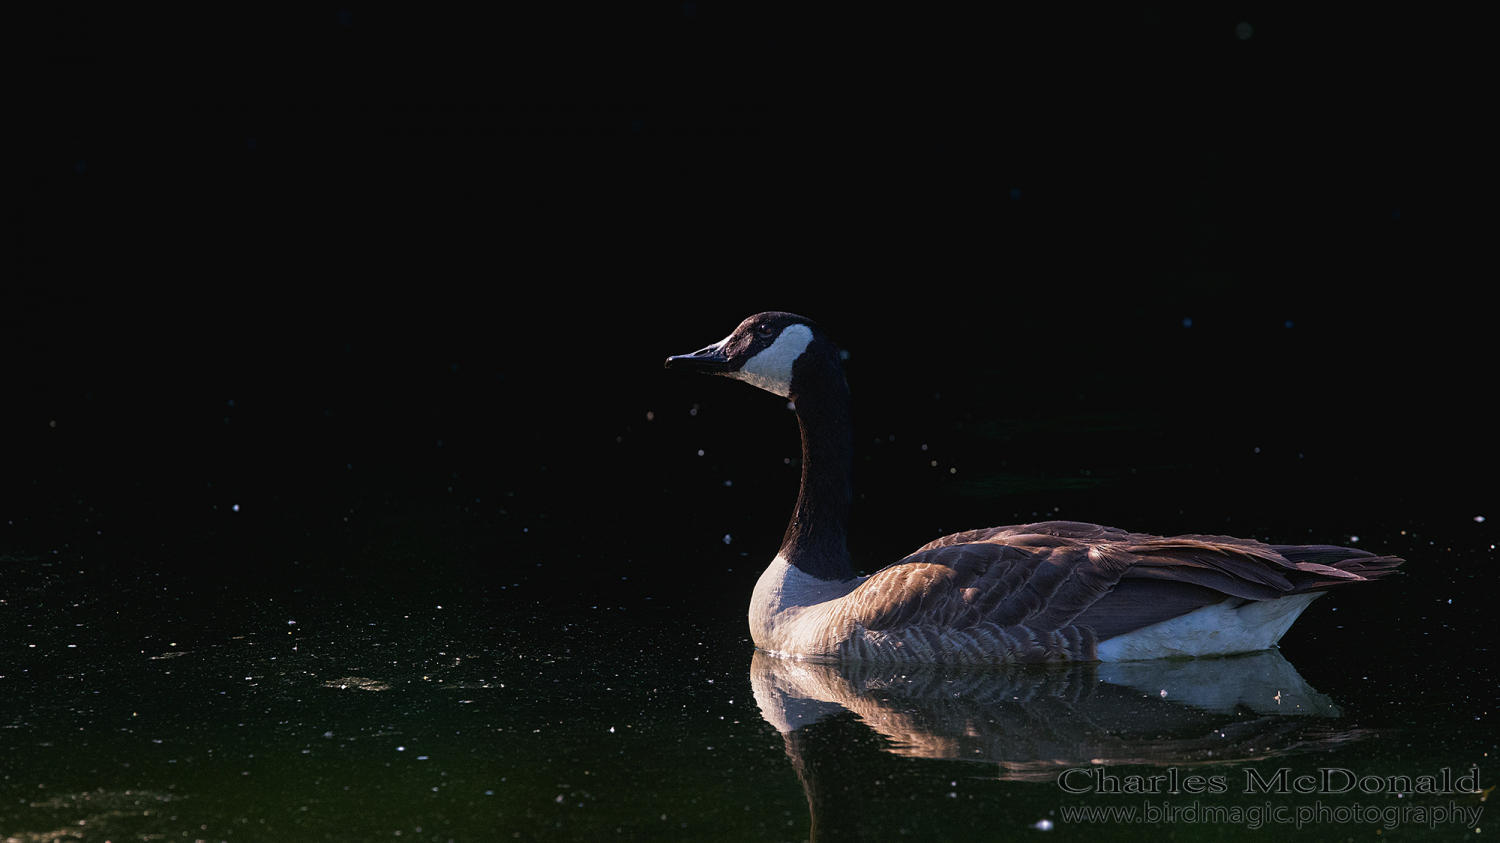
(1053, 591)
(1034, 722)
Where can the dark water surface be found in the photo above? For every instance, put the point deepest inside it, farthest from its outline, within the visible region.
(343, 496)
(547, 642)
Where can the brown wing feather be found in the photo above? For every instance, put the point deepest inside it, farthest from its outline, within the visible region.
(1039, 585)
(1053, 575)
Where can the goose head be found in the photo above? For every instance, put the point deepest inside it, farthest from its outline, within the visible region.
(779, 352)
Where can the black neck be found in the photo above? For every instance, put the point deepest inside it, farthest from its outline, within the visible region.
(816, 540)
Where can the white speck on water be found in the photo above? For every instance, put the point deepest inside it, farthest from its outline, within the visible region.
(728, 482)
(727, 538)
(1164, 693)
(1354, 538)
(650, 415)
(400, 749)
(700, 452)
(236, 507)
(1042, 825)
(1479, 519)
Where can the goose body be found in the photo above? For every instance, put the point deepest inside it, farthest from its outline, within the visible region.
(1042, 592)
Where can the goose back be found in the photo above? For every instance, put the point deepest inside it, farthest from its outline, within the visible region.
(1062, 590)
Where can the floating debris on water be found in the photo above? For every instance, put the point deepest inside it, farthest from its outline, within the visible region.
(358, 683)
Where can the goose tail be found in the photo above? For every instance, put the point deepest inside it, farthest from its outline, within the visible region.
(1325, 566)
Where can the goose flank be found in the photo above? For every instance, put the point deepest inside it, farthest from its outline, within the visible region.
(1044, 592)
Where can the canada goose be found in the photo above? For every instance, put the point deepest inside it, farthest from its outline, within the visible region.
(1050, 591)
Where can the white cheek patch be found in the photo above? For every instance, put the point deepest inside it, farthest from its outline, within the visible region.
(771, 369)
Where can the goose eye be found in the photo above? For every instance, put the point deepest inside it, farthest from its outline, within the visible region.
(763, 330)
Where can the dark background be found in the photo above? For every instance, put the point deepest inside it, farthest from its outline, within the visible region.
(419, 272)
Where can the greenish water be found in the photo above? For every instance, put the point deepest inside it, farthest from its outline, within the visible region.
(470, 715)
